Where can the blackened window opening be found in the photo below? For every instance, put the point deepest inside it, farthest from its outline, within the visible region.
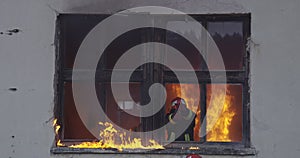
(230, 32)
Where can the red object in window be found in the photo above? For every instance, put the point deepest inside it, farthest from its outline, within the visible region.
(176, 102)
(193, 156)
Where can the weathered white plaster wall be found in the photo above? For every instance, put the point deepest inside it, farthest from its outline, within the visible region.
(27, 63)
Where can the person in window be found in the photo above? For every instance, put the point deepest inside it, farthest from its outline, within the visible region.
(179, 113)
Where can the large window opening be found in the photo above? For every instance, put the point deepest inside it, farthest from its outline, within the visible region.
(230, 130)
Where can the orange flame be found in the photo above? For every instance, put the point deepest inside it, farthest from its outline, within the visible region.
(56, 128)
(218, 126)
(191, 94)
(109, 138)
(219, 119)
(194, 148)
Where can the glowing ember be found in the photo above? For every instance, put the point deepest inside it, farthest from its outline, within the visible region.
(219, 119)
(194, 148)
(111, 138)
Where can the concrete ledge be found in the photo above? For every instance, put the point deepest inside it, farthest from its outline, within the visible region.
(211, 150)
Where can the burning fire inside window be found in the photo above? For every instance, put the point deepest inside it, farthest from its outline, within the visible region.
(191, 94)
(226, 127)
(109, 139)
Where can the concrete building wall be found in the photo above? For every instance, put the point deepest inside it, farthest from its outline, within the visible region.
(27, 62)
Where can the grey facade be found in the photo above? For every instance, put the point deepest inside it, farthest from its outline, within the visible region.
(27, 63)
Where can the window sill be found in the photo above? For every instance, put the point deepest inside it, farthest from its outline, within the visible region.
(205, 150)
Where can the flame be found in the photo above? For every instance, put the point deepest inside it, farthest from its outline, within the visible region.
(219, 120)
(56, 129)
(110, 138)
(220, 126)
(56, 126)
(188, 92)
(194, 148)
(191, 94)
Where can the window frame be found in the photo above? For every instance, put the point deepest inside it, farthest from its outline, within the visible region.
(204, 78)
(233, 76)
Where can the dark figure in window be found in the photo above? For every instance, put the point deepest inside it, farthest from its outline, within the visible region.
(183, 116)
